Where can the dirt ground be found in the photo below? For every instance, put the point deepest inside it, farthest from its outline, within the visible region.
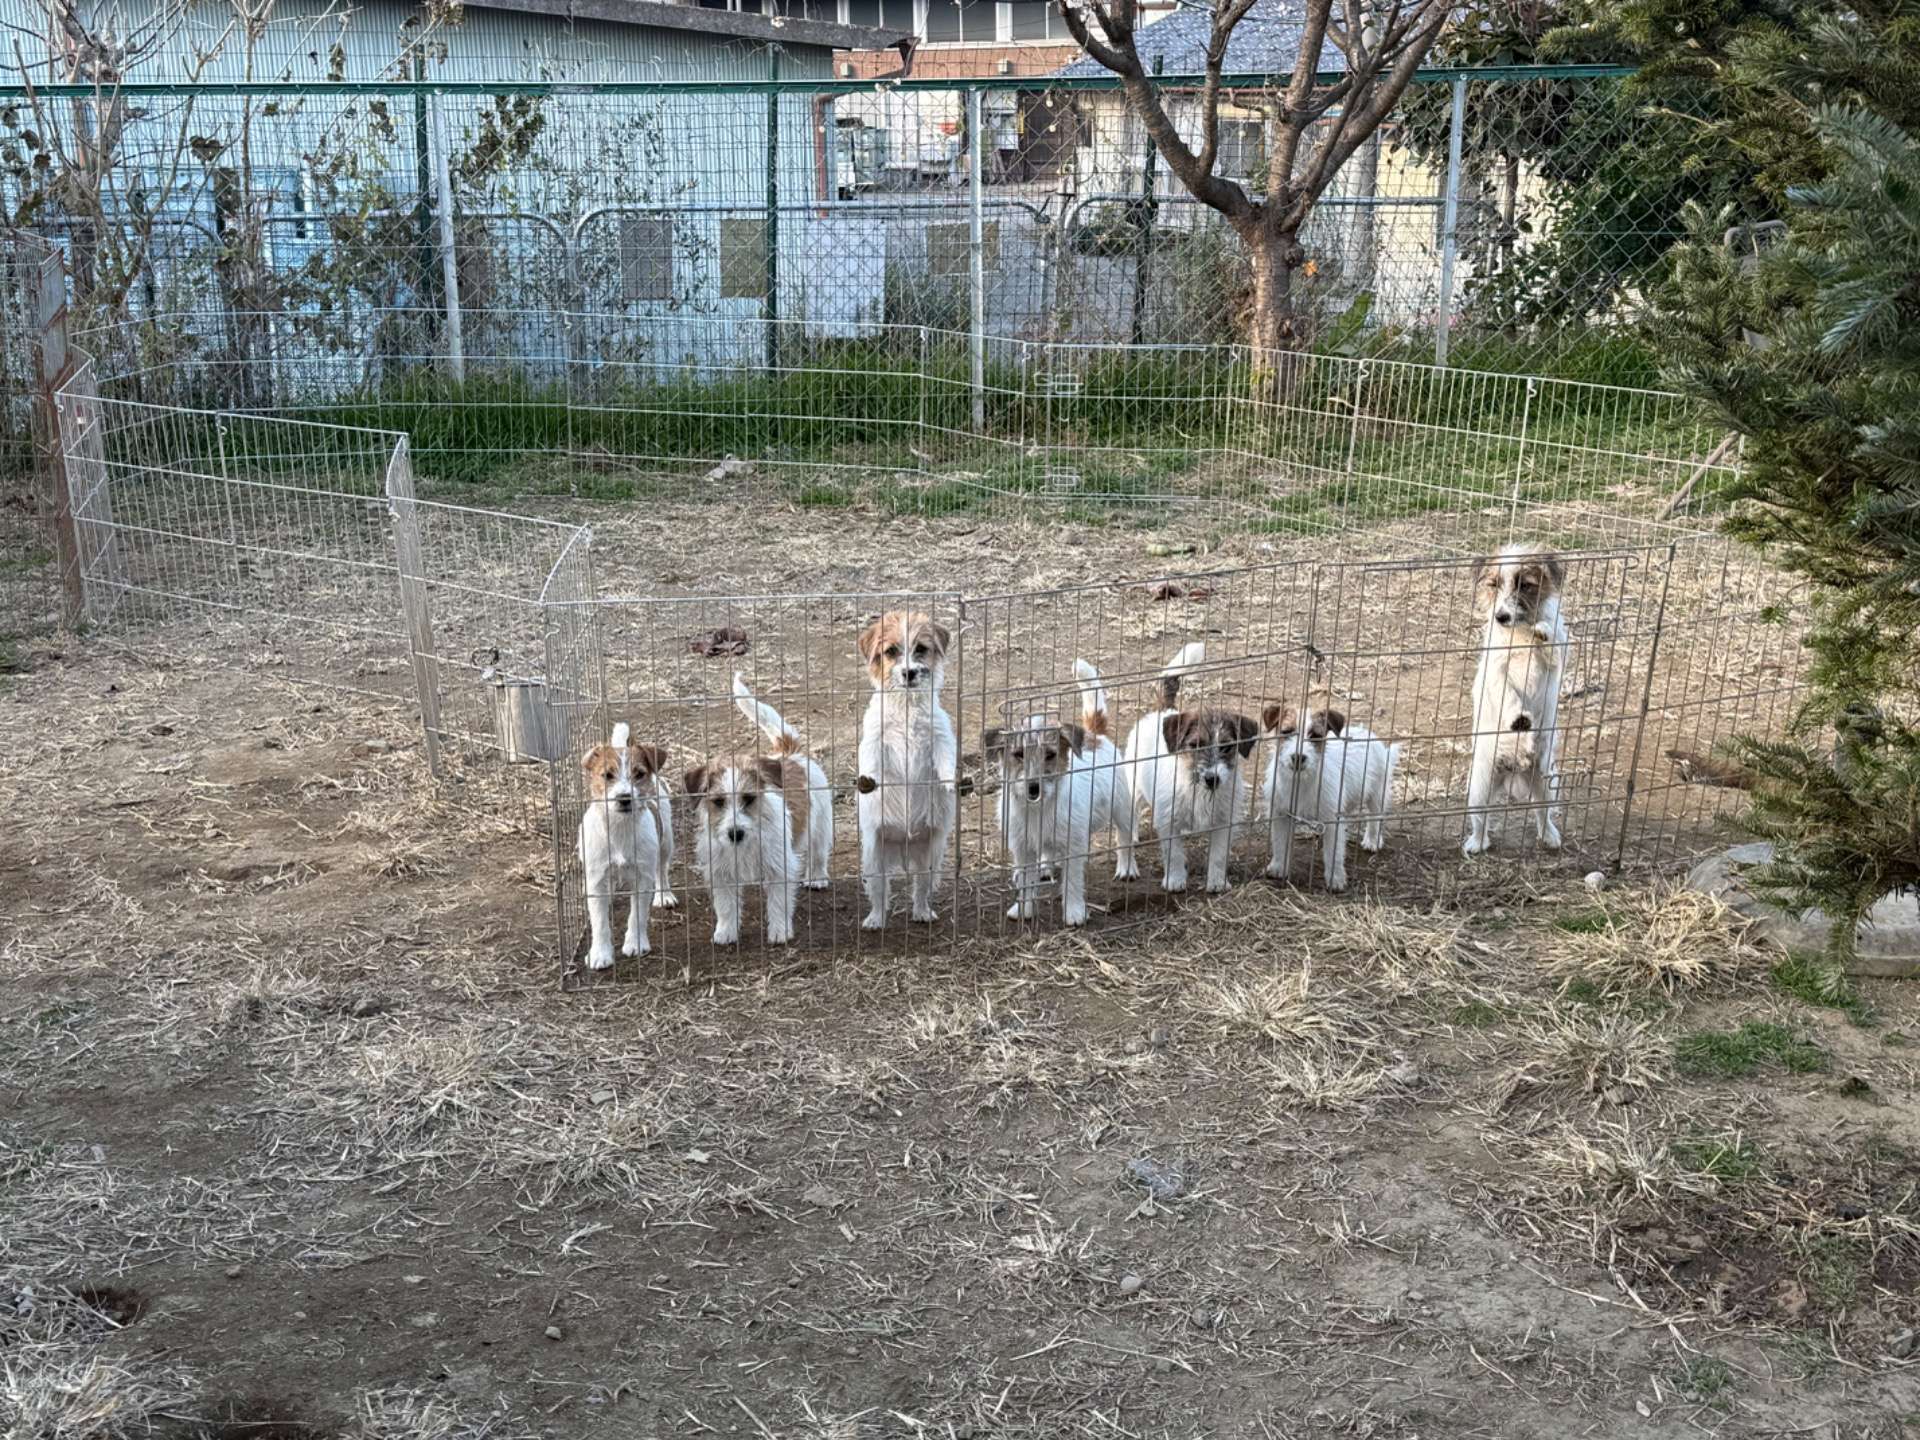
(301, 1138)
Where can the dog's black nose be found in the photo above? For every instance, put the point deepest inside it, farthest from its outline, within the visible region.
(1212, 782)
(1299, 762)
(1033, 790)
(623, 802)
(1522, 723)
(736, 835)
(1502, 617)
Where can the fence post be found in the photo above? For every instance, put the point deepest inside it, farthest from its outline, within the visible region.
(46, 278)
(1450, 222)
(449, 259)
(773, 212)
(976, 262)
(409, 561)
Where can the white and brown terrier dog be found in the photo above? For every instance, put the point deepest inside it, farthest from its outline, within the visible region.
(909, 761)
(626, 842)
(1523, 653)
(1326, 771)
(744, 839)
(1063, 785)
(1189, 769)
(803, 784)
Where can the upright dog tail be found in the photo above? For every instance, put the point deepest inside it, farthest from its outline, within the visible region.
(784, 738)
(1094, 715)
(621, 734)
(1184, 663)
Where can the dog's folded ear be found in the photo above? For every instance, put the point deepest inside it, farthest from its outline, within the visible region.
(942, 636)
(870, 639)
(990, 738)
(593, 759)
(1556, 569)
(649, 759)
(1336, 722)
(1173, 730)
(1245, 733)
(1275, 715)
(769, 768)
(696, 780)
(1075, 737)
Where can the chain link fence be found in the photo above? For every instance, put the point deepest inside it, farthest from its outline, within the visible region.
(385, 225)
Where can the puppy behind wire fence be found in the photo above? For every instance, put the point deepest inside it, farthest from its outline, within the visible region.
(1390, 648)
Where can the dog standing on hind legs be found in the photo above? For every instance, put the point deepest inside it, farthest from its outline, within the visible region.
(1064, 785)
(1523, 653)
(626, 835)
(909, 762)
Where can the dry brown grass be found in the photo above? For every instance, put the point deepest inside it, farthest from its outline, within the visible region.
(1668, 938)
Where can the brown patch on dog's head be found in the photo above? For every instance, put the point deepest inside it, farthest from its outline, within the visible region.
(901, 641)
(601, 766)
(647, 761)
(1321, 719)
(1210, 733)
(1074, 738)
(724, 780)
(1517, 582)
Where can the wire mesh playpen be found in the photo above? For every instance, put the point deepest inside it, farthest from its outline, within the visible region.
(282, 381)
(301, 549)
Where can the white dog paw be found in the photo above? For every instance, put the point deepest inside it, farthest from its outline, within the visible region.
(665, 900)
(1551, 840)
(925, 914)
(1474, 847)
(726, 935)
(600, 957)
(1173, 886)
(631, 946)
(1338, 884)
(1373, 847)
(821, 883)
(1020, 910)
(876, 920)
(1276, 871)
(1126, 870)
(1075, 918)
(779, 937)
(1217, 886)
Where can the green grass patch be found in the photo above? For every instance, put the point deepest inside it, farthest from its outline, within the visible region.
(1475, 1015)
(1821, 982)
(1634, 1001)
(1728, 1158)
(1704, 1380)
(1835, 1268)
(1735, 1054)
(1584, 922)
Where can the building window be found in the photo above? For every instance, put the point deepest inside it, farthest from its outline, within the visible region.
(1243, 149)
(646, 257)
(865, 13)
(943, 20)
(1030, 19)
(743, 258)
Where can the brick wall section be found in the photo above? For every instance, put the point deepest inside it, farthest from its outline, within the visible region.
(959, 62)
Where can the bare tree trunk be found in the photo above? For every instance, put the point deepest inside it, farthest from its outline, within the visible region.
(1366, 189)
(1274, 329)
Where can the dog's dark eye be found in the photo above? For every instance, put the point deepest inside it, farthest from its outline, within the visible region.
(1016, 754)
(719, 802)
(609, 774)
(893, 652)
(746, 802)
(1051, 754)
(918, 651)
